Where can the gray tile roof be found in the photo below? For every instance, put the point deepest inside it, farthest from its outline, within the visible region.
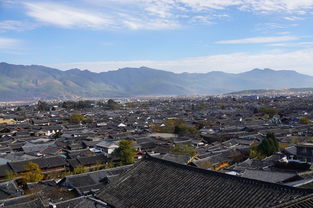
(303, 202)
(28, 201)
(154, 182)
(84, 201)
(269, 176)
(44, 163)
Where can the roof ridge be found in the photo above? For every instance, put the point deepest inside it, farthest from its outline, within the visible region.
(72, 199)
(102, 170)
(57, 156)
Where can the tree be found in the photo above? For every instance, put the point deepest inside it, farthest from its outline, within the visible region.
(109, 165)
(273, 141)
(176, 126)
(10, 175)
(185, 130)
(268, 110)
(76, 118)
(184, 149)
(42, 106)
(82, 104)
(32, 173)
(88, 120)
(98, 166)
(126, 152)
(294, 141)
(79, 169)
(254, 153)
(267, 147)
(113, 105)
(304, 120)
(57, 135)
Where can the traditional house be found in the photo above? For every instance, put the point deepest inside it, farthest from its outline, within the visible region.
(305, 152)
(91, 182)
(107, 147)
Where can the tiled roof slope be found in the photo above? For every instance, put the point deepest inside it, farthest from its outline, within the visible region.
(303, 202)
(157, 183)
(29, 201)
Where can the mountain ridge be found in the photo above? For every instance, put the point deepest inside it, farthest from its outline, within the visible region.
(33, 82)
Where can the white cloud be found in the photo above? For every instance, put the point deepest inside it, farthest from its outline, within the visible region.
(300, 60)
(284, 6)
(272, 39)
(293, 18)
(105, 18)
(64, 16)
(279, 45)
(210, 4)
(306, 44)
(7, 43)
(264, 6)
(155, 14)
(137, 24)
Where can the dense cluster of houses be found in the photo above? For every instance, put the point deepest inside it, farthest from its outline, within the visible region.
(213, 167)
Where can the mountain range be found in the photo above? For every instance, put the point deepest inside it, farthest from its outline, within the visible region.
(33, 82)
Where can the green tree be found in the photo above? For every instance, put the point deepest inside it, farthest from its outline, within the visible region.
(304, 120)
(32, 173)
(57, 135)
(184, 149)
(76, 118)
(109, 165)
(113, 105)
(268, 146)
(98, 166)
(185, 130)
(88, 120)
(294, 141)
(126, 152)
(10, 175)
(82, 104)
(268, 110)
(42, 106)
(176, 126)
(254, 153)
(79, 169)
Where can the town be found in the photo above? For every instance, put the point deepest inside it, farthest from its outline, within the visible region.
(80, 153)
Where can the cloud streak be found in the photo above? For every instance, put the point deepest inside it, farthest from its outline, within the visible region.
(65, 16)
(156, 14)
(70, 17)
(15, 25)
(272, 39)
(8, 43)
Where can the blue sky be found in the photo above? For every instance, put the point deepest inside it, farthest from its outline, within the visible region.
(175, 35)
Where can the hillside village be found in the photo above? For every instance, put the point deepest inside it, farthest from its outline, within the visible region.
(158, 152)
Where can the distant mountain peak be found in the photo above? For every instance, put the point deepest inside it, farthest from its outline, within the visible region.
(261, 70)
(74, 70)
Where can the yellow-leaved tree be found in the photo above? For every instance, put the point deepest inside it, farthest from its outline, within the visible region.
(32, 173)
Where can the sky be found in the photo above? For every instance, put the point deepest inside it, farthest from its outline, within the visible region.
(174, 35)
